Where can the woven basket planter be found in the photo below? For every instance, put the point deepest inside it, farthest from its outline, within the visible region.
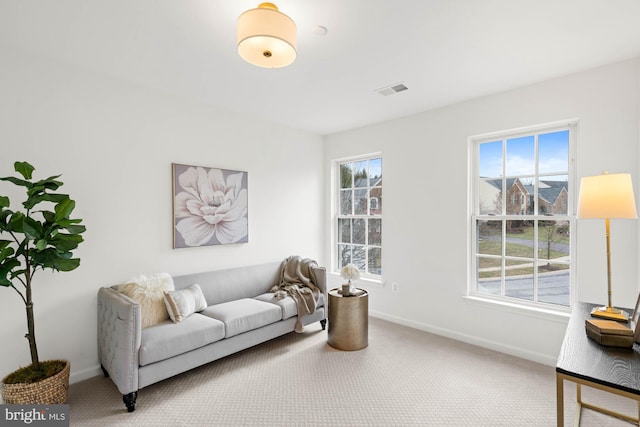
(50, 391)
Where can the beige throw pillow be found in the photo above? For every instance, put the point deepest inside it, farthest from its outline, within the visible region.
(180, 304)
(148, 291)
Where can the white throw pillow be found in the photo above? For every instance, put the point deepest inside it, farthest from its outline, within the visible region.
(148, 291)
(181, 304)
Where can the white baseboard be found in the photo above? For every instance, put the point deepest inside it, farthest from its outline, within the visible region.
(545, 359)
(84, 374)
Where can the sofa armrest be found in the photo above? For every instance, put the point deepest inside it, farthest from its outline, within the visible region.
(320, 274)
(119, 335)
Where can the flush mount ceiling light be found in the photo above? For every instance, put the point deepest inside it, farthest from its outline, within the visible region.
(266, 37)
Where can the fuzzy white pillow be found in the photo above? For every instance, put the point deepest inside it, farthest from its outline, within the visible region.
(148, 291)
(183, 303)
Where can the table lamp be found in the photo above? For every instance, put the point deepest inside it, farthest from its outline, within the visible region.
(607, 196)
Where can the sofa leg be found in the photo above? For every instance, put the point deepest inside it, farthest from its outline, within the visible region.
(104, 371)
(130, 401)
(323, 323)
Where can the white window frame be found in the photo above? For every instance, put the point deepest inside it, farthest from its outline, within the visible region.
(337, 215)
(474, 216)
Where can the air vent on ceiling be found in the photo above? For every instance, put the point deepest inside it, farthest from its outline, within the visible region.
(391, 90)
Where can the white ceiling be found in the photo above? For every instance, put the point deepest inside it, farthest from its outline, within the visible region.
(444, 51)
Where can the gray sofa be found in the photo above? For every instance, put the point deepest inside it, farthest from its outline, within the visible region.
(241, 313)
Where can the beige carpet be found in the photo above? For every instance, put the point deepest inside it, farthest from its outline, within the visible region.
(405, 377)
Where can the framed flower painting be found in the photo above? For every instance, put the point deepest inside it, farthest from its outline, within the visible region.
(210, 206)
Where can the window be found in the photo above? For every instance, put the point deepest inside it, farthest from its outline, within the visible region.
(522, 215)
(359, 215)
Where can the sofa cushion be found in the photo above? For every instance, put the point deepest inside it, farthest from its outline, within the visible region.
(286, 304)
(169, 339)
(183, 303)
(244, 315)
(220, 286)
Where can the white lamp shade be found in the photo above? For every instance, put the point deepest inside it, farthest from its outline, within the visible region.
(266, 37)
(607, 196)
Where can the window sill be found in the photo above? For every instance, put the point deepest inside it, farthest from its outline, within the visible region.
(560, 315)
(363, 280)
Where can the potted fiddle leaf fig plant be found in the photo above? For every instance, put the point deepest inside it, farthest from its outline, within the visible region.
(39, 236)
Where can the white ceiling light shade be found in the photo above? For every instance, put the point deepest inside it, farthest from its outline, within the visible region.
(266, 37)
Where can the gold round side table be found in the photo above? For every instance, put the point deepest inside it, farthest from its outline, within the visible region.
(348, 320)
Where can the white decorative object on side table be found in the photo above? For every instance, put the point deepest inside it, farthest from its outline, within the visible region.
(349, 272)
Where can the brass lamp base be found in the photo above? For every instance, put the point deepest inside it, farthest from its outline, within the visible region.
(610, 313)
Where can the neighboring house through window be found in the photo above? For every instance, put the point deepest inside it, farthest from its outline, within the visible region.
(359, 215)
(522, 215)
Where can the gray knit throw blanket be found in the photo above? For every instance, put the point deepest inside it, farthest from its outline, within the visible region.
(297, 280)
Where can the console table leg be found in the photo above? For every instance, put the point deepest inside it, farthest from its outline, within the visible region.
(578, 404)
(559, 401)
(578, 393)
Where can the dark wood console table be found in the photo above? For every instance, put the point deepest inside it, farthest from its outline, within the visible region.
(585, 362)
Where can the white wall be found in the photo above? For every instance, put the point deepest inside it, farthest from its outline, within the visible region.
(425, 206)
(114, 144)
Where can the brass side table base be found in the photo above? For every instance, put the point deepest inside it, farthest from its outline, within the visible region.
(348, 321)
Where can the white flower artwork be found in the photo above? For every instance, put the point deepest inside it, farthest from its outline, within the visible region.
(210, 206)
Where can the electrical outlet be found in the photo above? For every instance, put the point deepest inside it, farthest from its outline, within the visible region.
(394, 286)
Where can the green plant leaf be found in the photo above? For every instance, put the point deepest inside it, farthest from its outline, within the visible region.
(66, 242)
(48, 216)
(6, 266)
(4, 214)
(4, 202)
(36, 198)
(5, 253)
(35, 189)
(17, 181)
(51, 258)
(24, 169)
(75, 229)
(41, 187)
(21, 250)
(51, 183)
(64, 209)
(46, 258)
(31, 228)
(15, 222)
(68, 264)
(41, 244)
